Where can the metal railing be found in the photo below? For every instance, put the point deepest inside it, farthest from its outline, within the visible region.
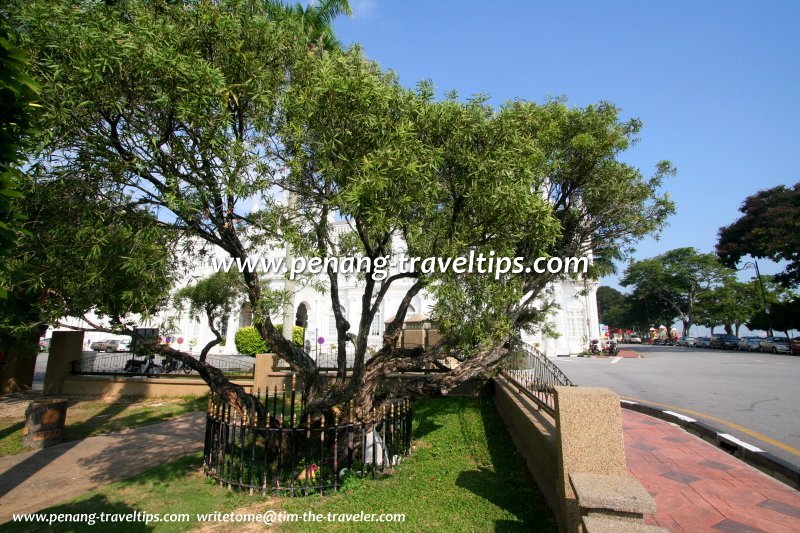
(534, 375)
(288, 454)
(127, 364)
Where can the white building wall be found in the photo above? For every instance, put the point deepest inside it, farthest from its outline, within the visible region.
(575, 317)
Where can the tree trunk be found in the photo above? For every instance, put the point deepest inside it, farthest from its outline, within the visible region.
(207, 348)
(217, 339)
(19, 361)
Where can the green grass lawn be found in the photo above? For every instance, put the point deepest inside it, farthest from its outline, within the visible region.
(88, 417)
(464, 475)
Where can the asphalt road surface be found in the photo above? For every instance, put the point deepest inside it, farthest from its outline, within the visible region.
(752, 396)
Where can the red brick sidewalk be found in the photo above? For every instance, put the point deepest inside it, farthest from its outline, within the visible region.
(698, 487)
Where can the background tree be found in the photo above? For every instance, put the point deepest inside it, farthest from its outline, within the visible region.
(608, 298)
(316, 18)
(769, 228)
(678, 278)
(214, 297)
(222, 122)
(18, 92)
(636, 311)
(79, 256)
(729, 305)
(784, 316)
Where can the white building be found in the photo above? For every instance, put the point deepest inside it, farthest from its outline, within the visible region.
(575, 317)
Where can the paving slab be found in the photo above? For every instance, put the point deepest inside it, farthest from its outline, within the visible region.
(699, 487)
(35, 480)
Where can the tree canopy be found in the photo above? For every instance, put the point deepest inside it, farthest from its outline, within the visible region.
(195, 111)
(678, 278)
(769, 228)
(214, 297)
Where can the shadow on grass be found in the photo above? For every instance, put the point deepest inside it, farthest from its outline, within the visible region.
(86, 513)
(505, 483)
(5, 432)
(426, 412)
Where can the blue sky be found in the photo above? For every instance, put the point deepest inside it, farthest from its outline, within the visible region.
(717, 84)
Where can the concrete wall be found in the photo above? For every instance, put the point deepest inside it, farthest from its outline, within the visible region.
(584, 436)
(137, 386)
(534, 434)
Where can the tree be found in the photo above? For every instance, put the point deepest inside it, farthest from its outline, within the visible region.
(678, 278)
(213, 296)
(769, 228)
(785, 315)
(608, 298)
(224, 120)
(79, 255)
(316, 18)
(729, 305)
(18, 92)
(635, 311)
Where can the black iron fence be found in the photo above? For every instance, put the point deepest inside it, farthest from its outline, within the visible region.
(534, 375)
(289, 454)
(327, 357)
(127, 364)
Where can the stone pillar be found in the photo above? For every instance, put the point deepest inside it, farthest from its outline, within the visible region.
(589, 437)
(65, 347)
(265, 363)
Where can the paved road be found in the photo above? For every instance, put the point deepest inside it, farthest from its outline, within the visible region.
(752, 396)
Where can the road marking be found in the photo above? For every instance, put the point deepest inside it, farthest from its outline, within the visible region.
(778, 444)
(615, 360)
(680, 416)
(743, 444)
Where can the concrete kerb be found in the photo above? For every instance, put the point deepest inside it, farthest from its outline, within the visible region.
(771, 465)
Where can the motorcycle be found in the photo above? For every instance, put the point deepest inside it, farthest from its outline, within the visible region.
(594, 346)
(142, 366)
(611, 348)
(170, 364)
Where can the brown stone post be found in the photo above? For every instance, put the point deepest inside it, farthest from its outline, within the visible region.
(265, 363)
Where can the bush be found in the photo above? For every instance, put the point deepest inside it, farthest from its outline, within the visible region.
(249, 342)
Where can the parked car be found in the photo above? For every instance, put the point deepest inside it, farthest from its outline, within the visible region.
(748, 344)
(775, 345)
(702, 342)
(686, 341)
(725, 341)
(795, 345)
(117, 346)
(634, 339)
(110, 345)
